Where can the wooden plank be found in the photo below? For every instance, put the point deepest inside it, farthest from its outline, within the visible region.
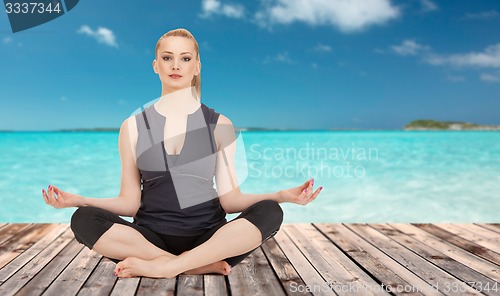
(14, 247)
(50, 272)
(454, 268)
(8, 270)
(254, 276)
(76, 273)
(496, 225)
(11, 230)
(215, 285)
(45, 261)
(287, 274)
(307, 272)
(484, 232)
(125, 286)
(101, 281)
(489, 227)
(471, 236)
(343, 275)
(28, 271)
(479, 264)
(376, 262)
(461, 242)
(154, 286)
(189, 285)
(421, 267)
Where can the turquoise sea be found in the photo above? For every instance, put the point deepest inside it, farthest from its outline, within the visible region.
(368, 176)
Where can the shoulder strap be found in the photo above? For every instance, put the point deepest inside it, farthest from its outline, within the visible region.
(211, 118)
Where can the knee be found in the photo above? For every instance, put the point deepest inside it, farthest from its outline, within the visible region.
(273, 211)
(82, 219)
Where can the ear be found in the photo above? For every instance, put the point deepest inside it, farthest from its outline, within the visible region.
(154, 66)
(199, 68)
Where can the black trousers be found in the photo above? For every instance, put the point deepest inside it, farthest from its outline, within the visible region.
(90, 223)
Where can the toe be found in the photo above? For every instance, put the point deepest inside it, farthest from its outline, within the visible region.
(226, 268)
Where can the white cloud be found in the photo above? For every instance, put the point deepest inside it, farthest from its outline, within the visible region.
(206, 46)
(428, 5)
(215, 7)
(455, 78)
(484, 15)
(280, 57)
(322, 48)
(490, 77)
(102, 35)
(489, 58)
(409, 47)
(347, 15)
(9, 40)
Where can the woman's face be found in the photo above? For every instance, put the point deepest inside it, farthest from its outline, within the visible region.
(176, 62)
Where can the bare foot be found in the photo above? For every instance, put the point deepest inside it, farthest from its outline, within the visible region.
(135, 267)
(221, 267)
(156, 268)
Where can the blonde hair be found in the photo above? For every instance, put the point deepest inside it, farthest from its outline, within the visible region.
(181, 32)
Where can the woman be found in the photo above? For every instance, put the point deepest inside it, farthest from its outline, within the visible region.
(179, 219)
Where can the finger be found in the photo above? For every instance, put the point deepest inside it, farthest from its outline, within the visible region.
(305, 185)
(57, 190)
(304, 196)
(305, 192)
(45, 197)
(52, 198)
(313, 197)
(54, 189)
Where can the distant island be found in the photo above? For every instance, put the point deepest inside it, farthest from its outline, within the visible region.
(427, 124)
(96, 129)
(416, 125)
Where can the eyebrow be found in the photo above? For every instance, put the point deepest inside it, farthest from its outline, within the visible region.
(173, 53)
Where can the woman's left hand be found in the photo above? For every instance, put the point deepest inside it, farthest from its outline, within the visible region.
(301, 195)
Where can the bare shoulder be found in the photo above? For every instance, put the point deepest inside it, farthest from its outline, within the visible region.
(223, 120)
(129, 134)
(224, 131)
(129, 127)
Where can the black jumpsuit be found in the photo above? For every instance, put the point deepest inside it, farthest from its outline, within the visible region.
(179, 208)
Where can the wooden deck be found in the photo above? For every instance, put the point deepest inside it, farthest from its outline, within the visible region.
(302, 259)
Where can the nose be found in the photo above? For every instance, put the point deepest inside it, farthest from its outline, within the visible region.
(175, 66)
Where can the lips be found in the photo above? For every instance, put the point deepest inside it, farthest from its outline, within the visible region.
(175, 76)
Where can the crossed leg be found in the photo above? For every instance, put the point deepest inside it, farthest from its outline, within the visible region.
(121, 241)
(227, 241)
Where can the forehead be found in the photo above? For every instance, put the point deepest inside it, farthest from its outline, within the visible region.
(176, 44)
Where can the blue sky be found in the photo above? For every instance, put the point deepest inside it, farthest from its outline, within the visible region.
(273, 63)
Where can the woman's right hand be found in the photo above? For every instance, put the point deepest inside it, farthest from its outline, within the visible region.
(64, 199)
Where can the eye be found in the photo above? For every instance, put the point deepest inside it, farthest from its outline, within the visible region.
(164, 58)
(188, 59)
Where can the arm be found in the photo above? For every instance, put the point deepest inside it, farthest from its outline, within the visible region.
(230, 196)
(128, 201)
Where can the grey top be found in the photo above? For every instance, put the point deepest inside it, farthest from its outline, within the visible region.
(178, 194)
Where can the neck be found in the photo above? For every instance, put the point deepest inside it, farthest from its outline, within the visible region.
(184, 100)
